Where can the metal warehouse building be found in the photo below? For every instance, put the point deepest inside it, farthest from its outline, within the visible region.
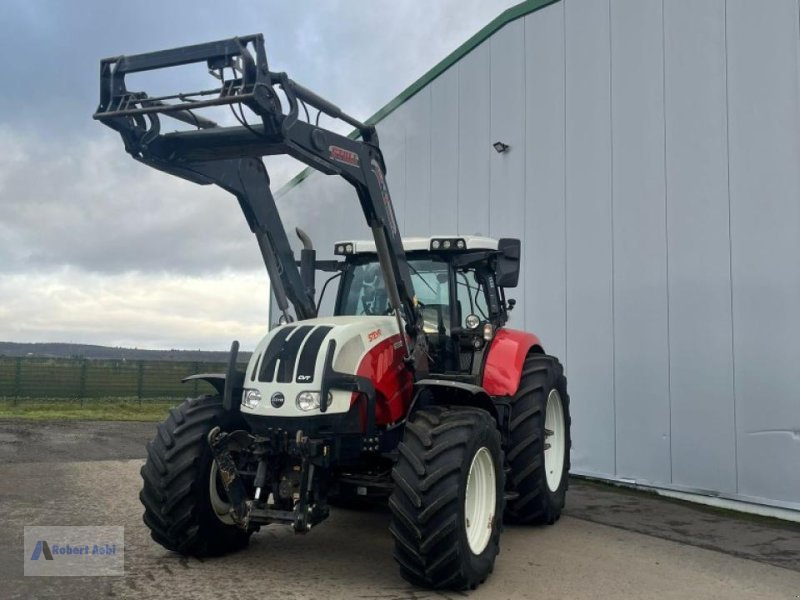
(653, 175)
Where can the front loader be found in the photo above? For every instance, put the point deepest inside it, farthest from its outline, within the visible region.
(415, 391)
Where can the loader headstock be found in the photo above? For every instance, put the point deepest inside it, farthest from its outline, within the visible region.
(243, 80)
(250, 80)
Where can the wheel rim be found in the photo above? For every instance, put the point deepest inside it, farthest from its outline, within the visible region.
(480, 501)
(555, 440)
(219, 505)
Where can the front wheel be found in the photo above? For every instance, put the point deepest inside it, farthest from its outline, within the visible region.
(448, 498)
(185, 503)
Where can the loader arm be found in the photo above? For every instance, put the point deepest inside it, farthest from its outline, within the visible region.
(230, 156)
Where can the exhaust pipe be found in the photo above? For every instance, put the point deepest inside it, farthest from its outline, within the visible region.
(308, 260)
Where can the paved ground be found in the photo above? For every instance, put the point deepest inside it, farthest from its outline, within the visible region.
(26, 441)
(609, 544)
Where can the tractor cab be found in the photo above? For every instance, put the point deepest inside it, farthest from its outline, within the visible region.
(460, 286)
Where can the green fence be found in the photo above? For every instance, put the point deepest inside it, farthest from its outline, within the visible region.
(44, 378)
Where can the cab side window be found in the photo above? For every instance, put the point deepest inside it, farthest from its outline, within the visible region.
(432, 288)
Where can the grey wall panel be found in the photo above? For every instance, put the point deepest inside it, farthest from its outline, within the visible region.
(589, 297)
(444, 152)
(507, 121)
(640, 258)
(701, 374)
(765, 223)
(474, 140)
(327, 208)
(392, 135)
(418, 164)
(545, 240)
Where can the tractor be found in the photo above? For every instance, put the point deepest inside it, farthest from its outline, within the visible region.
(414, 392)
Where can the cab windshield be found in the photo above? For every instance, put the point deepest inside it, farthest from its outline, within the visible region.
(365, 292)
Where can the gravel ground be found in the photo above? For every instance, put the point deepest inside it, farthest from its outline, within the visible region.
(609, 544)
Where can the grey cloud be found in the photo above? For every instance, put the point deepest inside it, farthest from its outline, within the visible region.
(82, 226)
(69, 194)
(135, 310)
(97, 209)
(360, 54)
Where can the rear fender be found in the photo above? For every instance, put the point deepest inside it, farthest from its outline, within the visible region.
(505, 357)
(453, 393)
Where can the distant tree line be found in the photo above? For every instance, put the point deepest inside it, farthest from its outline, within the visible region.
(93, 352)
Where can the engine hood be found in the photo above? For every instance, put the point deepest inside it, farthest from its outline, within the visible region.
(290, 360)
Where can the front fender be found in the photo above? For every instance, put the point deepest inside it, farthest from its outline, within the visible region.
(217, 380)
(506, 355)
(226, 385)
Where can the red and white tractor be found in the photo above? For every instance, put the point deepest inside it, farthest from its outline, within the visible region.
(415, 390)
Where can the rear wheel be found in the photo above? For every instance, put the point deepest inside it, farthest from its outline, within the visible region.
(539, 443)
(185, 503)
(448, 498)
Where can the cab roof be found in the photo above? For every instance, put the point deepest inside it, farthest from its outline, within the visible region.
(412, 244)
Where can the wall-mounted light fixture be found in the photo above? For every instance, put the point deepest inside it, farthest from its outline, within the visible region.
(501, 147)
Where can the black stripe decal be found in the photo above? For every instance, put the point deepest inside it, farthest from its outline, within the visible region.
(256, 367)
(272, 352)
(308, 357)
(288, 355)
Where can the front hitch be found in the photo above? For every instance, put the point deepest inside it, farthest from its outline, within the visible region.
(310, 507)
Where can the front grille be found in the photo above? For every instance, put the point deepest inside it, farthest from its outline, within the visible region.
(272, 353)
(288, 355)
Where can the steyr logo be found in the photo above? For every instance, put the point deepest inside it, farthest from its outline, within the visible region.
(343, 156)
(41, 549)
(374, 335)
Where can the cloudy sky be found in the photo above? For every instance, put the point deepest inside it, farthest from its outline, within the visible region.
(96, 248)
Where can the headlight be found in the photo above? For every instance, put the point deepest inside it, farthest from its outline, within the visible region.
(307, 401)
(472, 321)
(251, 398)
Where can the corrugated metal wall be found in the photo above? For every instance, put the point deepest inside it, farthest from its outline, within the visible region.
(654, 177)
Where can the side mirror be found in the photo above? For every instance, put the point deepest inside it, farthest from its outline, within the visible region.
(507, 270)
